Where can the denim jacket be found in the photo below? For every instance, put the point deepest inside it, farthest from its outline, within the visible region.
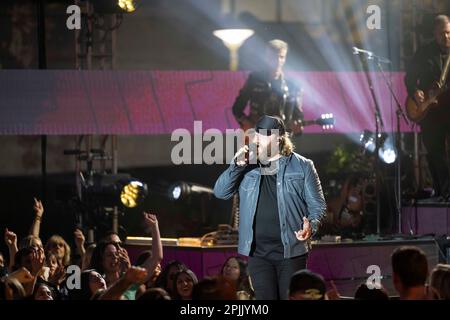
(299, 195)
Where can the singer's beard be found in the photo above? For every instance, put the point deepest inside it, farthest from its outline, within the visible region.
(264, 153)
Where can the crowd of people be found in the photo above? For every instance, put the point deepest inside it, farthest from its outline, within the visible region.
(35, 271)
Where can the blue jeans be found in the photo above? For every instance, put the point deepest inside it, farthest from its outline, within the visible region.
(271, 278)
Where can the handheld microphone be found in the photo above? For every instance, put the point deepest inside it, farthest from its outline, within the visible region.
(251, 154)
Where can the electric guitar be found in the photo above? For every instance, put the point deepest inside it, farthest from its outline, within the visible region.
(416, 111)
(434, 98)
(326, 121)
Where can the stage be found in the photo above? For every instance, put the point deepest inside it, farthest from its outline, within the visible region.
(345, 262)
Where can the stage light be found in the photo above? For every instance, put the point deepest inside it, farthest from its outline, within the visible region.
(114, 189)
(127, 5)
(367, 139)
(233, 40)
(182, 190)
(132, 193)
(233, 37)
(388, 155)
(386, 152)
(175, 192)
(114, 6)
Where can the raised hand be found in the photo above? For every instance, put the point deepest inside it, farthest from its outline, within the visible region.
(156, 273)
(79, 238)
(124, 260)
(10, 238)
(239, 157)
(38, 208)
(306, 232)
(136, 275)
(150, 221)
(37, 261)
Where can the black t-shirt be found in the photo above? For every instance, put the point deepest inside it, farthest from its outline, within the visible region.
(266, 225)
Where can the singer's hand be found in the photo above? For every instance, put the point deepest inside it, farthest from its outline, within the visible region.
(419, 96)
(239, 157)
(306, 232)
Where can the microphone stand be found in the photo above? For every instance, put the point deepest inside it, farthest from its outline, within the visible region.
(399, 114)
(378, 123)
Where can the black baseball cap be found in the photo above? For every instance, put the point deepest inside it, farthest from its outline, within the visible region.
(266, 124)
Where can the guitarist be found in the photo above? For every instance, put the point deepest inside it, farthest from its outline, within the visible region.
(269, 93)
(425, 69)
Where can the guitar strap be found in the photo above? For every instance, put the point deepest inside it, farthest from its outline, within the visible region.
(444, 73)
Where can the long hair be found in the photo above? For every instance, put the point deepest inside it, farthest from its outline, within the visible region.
(243, 270)
(162, 279)
(58, 239)
(243, 282)
(286, 145)
(191, 274)
(97, 256)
